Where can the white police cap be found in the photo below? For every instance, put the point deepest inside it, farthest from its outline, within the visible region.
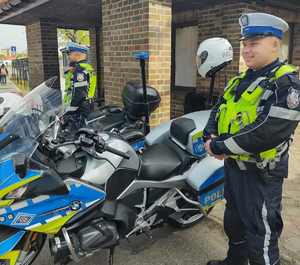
(262, 24)
(75, 47)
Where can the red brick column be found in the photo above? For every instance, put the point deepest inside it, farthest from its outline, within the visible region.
(42, 52)
(296, 45)
(96, 58)
(130, 26)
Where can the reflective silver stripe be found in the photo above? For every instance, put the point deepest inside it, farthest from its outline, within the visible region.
(33, 226)
(92, 202)
(82, 83)
(241, 165)
(282, 113)
(255, 83)
(260, 109)
(266, 94)
(53, 218)
(233, 147)
(40, 198)
(264, 214)
(19, 205)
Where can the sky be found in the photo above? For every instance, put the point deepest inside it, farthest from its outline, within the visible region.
(11, 35)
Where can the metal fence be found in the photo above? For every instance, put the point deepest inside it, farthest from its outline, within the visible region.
(20, 70)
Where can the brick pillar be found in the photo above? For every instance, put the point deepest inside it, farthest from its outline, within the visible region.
(296, 45)
(42, 52)
(93, 48)
(137, 25)
(96, 57)
(160, 18)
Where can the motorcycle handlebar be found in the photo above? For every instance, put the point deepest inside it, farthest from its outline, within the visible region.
(116, 152)
(104, 147)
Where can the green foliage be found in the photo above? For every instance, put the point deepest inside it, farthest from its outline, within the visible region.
(74, 35)
(21, 55)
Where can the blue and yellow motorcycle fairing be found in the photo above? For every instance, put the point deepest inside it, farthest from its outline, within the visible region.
(34, 213)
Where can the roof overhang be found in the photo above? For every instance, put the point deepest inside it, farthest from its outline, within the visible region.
(65, 13)
(87, 14)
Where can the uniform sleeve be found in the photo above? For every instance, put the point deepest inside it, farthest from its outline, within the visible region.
(211, 126)
(279, 115)
(80, 87)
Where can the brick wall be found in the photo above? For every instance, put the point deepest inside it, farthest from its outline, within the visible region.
(291, 17)
(137, 25)
(97, 64)
(124, 32)
(42, 52)
(296, 45)
(221, 20)
(160, 15)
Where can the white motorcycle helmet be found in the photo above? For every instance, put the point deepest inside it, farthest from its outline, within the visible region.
(7, 101)
(213, 54)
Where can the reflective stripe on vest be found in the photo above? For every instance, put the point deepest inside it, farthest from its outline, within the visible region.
(92, 81)
(234, 116)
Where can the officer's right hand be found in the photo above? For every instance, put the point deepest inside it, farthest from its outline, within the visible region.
(209, 151)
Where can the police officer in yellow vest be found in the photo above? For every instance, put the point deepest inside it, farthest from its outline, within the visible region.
(80, 80)
(251, 128)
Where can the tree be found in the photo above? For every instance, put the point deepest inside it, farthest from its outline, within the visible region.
(74, 35)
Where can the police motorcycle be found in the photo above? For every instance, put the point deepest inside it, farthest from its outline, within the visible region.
(100, 191)
(89, 193)
(132, 121)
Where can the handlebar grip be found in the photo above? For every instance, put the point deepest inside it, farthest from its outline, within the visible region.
(116, 152)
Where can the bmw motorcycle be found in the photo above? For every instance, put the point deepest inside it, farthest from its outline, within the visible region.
(89, 193)
(131, 122)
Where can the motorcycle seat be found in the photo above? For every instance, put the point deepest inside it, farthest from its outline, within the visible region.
(108, 121)
(159, 162)
(132, 135)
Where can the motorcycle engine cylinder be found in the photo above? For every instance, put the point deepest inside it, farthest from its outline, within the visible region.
(99, 234)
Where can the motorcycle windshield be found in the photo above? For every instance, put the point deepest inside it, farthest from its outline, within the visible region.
(30, 118)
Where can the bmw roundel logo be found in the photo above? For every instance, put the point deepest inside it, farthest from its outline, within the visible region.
(75, 205)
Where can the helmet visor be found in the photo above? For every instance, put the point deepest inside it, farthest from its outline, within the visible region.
(201, 58)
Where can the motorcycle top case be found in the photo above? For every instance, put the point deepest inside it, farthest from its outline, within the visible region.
(133, 99)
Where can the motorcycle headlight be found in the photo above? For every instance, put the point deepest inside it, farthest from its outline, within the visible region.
(16, 194)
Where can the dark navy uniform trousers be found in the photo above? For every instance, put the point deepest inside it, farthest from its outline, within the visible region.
(252, 219)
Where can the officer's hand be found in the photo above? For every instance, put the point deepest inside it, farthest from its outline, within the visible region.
(209, 151)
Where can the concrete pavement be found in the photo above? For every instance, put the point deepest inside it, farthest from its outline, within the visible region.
(8, 87)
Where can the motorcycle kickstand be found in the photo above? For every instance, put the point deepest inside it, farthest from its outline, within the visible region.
(111, 256)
